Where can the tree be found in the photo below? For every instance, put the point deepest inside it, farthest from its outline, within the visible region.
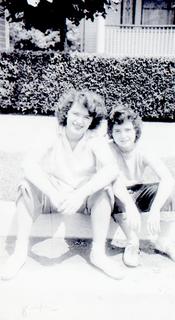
(51, 15)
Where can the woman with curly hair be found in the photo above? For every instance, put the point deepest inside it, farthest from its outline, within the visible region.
(132, 194)
(70, 176)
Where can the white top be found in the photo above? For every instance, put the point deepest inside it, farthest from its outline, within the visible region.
(69, 169)
(132, 164)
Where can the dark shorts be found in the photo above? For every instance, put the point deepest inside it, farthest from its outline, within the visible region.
(143, 196)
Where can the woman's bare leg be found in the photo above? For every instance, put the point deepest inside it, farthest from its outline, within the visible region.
(130, 256)
(100, 219)
(166, 239)
(19, 256)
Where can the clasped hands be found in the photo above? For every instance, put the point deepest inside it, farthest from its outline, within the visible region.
(68, 203)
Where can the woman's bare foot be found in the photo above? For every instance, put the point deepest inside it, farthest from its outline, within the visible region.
(107, 265)
(12, 266)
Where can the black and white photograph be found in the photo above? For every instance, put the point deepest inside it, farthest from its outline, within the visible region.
(87, 159)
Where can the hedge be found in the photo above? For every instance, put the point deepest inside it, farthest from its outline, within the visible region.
(31, 82)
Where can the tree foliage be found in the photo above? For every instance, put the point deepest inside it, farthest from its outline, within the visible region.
(52, 15)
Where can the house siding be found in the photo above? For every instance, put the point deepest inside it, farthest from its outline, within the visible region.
(88, 30)
(4, 32)
(145, 24)
(142, 12)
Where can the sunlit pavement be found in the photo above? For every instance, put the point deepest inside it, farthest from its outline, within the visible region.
(58, 282)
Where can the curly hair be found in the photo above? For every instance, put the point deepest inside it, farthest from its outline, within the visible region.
(92, 101)
(121, 113)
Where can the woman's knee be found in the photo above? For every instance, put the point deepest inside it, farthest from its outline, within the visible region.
(99, 198)
(27, 196)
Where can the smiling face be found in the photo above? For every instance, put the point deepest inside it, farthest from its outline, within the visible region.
(124, 135)
(78, 121)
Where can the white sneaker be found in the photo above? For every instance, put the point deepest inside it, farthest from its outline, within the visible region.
(131, 255)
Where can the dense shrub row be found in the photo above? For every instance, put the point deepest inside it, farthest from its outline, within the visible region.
(31, 82)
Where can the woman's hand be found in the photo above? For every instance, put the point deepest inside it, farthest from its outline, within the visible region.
(72, 203)
(153, 222)
(133, 218)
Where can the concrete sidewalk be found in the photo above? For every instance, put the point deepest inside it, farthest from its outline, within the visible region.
(57, 281)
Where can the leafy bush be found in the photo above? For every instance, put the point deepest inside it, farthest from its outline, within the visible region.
(33, 39)
(31, 82)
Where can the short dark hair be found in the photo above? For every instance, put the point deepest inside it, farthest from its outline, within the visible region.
(121, 113)
(89, 99)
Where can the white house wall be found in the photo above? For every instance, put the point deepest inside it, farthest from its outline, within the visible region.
(152, 34)
(2, 33)
(88, 31)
